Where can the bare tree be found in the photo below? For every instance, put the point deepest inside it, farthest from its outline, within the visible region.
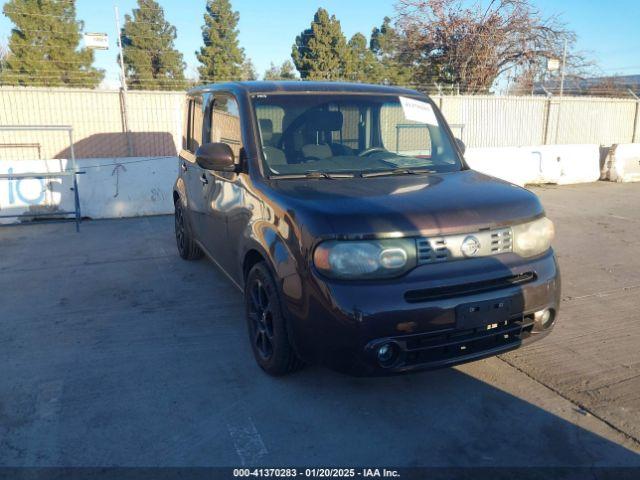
(451, 43)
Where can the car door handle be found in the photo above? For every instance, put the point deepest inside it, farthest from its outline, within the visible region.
(203, 179)
(183, 166)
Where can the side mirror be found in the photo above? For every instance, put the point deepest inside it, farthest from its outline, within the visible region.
(461, 146)
(216, 156)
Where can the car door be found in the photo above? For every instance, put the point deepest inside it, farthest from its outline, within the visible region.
(222, 191)
(190, 171)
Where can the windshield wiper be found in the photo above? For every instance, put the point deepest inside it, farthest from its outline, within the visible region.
(314, 174)
(397, 171)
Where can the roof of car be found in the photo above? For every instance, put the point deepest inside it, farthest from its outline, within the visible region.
(302, 86)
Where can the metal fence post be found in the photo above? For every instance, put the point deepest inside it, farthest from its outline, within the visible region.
(634, 133)
(74, 166)
(123, 88)
(547, 119)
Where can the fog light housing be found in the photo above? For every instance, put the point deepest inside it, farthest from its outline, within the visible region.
(543, 319)
(387, 354)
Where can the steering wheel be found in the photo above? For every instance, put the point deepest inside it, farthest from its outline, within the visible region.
(371, 150)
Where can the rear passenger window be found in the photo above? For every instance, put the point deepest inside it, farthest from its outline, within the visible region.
(196, 125)
(192, 138)
(225, 123)
(186, 134)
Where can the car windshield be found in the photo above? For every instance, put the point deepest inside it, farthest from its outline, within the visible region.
(318, 134)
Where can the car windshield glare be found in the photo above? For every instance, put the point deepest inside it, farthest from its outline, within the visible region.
(346, 133)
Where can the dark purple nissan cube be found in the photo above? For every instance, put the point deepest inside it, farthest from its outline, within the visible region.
(360, 238)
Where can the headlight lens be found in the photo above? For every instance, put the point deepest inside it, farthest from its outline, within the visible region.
(533, 238)
(365, 259)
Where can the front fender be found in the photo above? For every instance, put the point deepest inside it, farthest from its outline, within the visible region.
(267, 240)
(180, 189)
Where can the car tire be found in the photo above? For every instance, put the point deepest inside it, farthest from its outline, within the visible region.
(268, 332)
(187, 248)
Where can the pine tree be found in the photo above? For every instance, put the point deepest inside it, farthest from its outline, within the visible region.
(320, 52)
(386, 46)
(363, 65)
(44, 46)
(150, 59)
(248, 71)
(286, 71)
(4, 55)
(221, 56)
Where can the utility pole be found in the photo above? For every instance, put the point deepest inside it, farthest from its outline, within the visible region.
(562, 75)
(123, 85)
(562, 71)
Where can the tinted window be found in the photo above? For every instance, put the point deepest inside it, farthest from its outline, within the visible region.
(225, 123)
(186, 134)
(192, 138)
(195, 139)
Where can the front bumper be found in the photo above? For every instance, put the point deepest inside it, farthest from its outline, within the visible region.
(344, 323)
(431, 351)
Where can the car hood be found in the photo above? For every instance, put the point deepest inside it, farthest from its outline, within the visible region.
(408, 204)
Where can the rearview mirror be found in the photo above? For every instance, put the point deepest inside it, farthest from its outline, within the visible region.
(216, 156)
(461, 146)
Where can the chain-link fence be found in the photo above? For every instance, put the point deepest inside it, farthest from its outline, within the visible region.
(98, 121)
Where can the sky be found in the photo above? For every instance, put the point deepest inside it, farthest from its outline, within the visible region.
(607, 31)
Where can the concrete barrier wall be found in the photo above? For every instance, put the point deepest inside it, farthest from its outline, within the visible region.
(109, 188)
(138, 186)
(568, 164)
(622, 163)
(512, 164)
(559, 164)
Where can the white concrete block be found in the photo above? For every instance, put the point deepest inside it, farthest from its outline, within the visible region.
(568, 164)
(512, 164)
(561, 164)
(109, 188)
(623, 163)
(127, 187)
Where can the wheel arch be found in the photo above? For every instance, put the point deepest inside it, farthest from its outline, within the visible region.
(251, 258)
(180, 192)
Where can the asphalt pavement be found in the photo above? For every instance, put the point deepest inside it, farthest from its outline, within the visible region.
(116, 352)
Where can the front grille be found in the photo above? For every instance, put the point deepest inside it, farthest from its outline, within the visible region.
(432, 250)
(450, 247)
(439, 293)
(447, 347)
(501, 241)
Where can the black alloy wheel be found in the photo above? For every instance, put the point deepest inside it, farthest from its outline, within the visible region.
(187, 248)
(261, 318)
(268, 332)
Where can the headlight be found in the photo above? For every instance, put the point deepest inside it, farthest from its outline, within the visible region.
(365, 259)
(533, 238)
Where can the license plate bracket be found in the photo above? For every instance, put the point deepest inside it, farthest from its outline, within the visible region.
(481, 314)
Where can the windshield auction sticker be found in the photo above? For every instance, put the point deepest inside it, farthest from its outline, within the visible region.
(418, 111)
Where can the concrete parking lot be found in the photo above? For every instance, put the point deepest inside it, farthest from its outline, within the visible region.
(114, 351)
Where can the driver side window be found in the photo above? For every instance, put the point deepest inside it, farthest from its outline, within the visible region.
(225, 123)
